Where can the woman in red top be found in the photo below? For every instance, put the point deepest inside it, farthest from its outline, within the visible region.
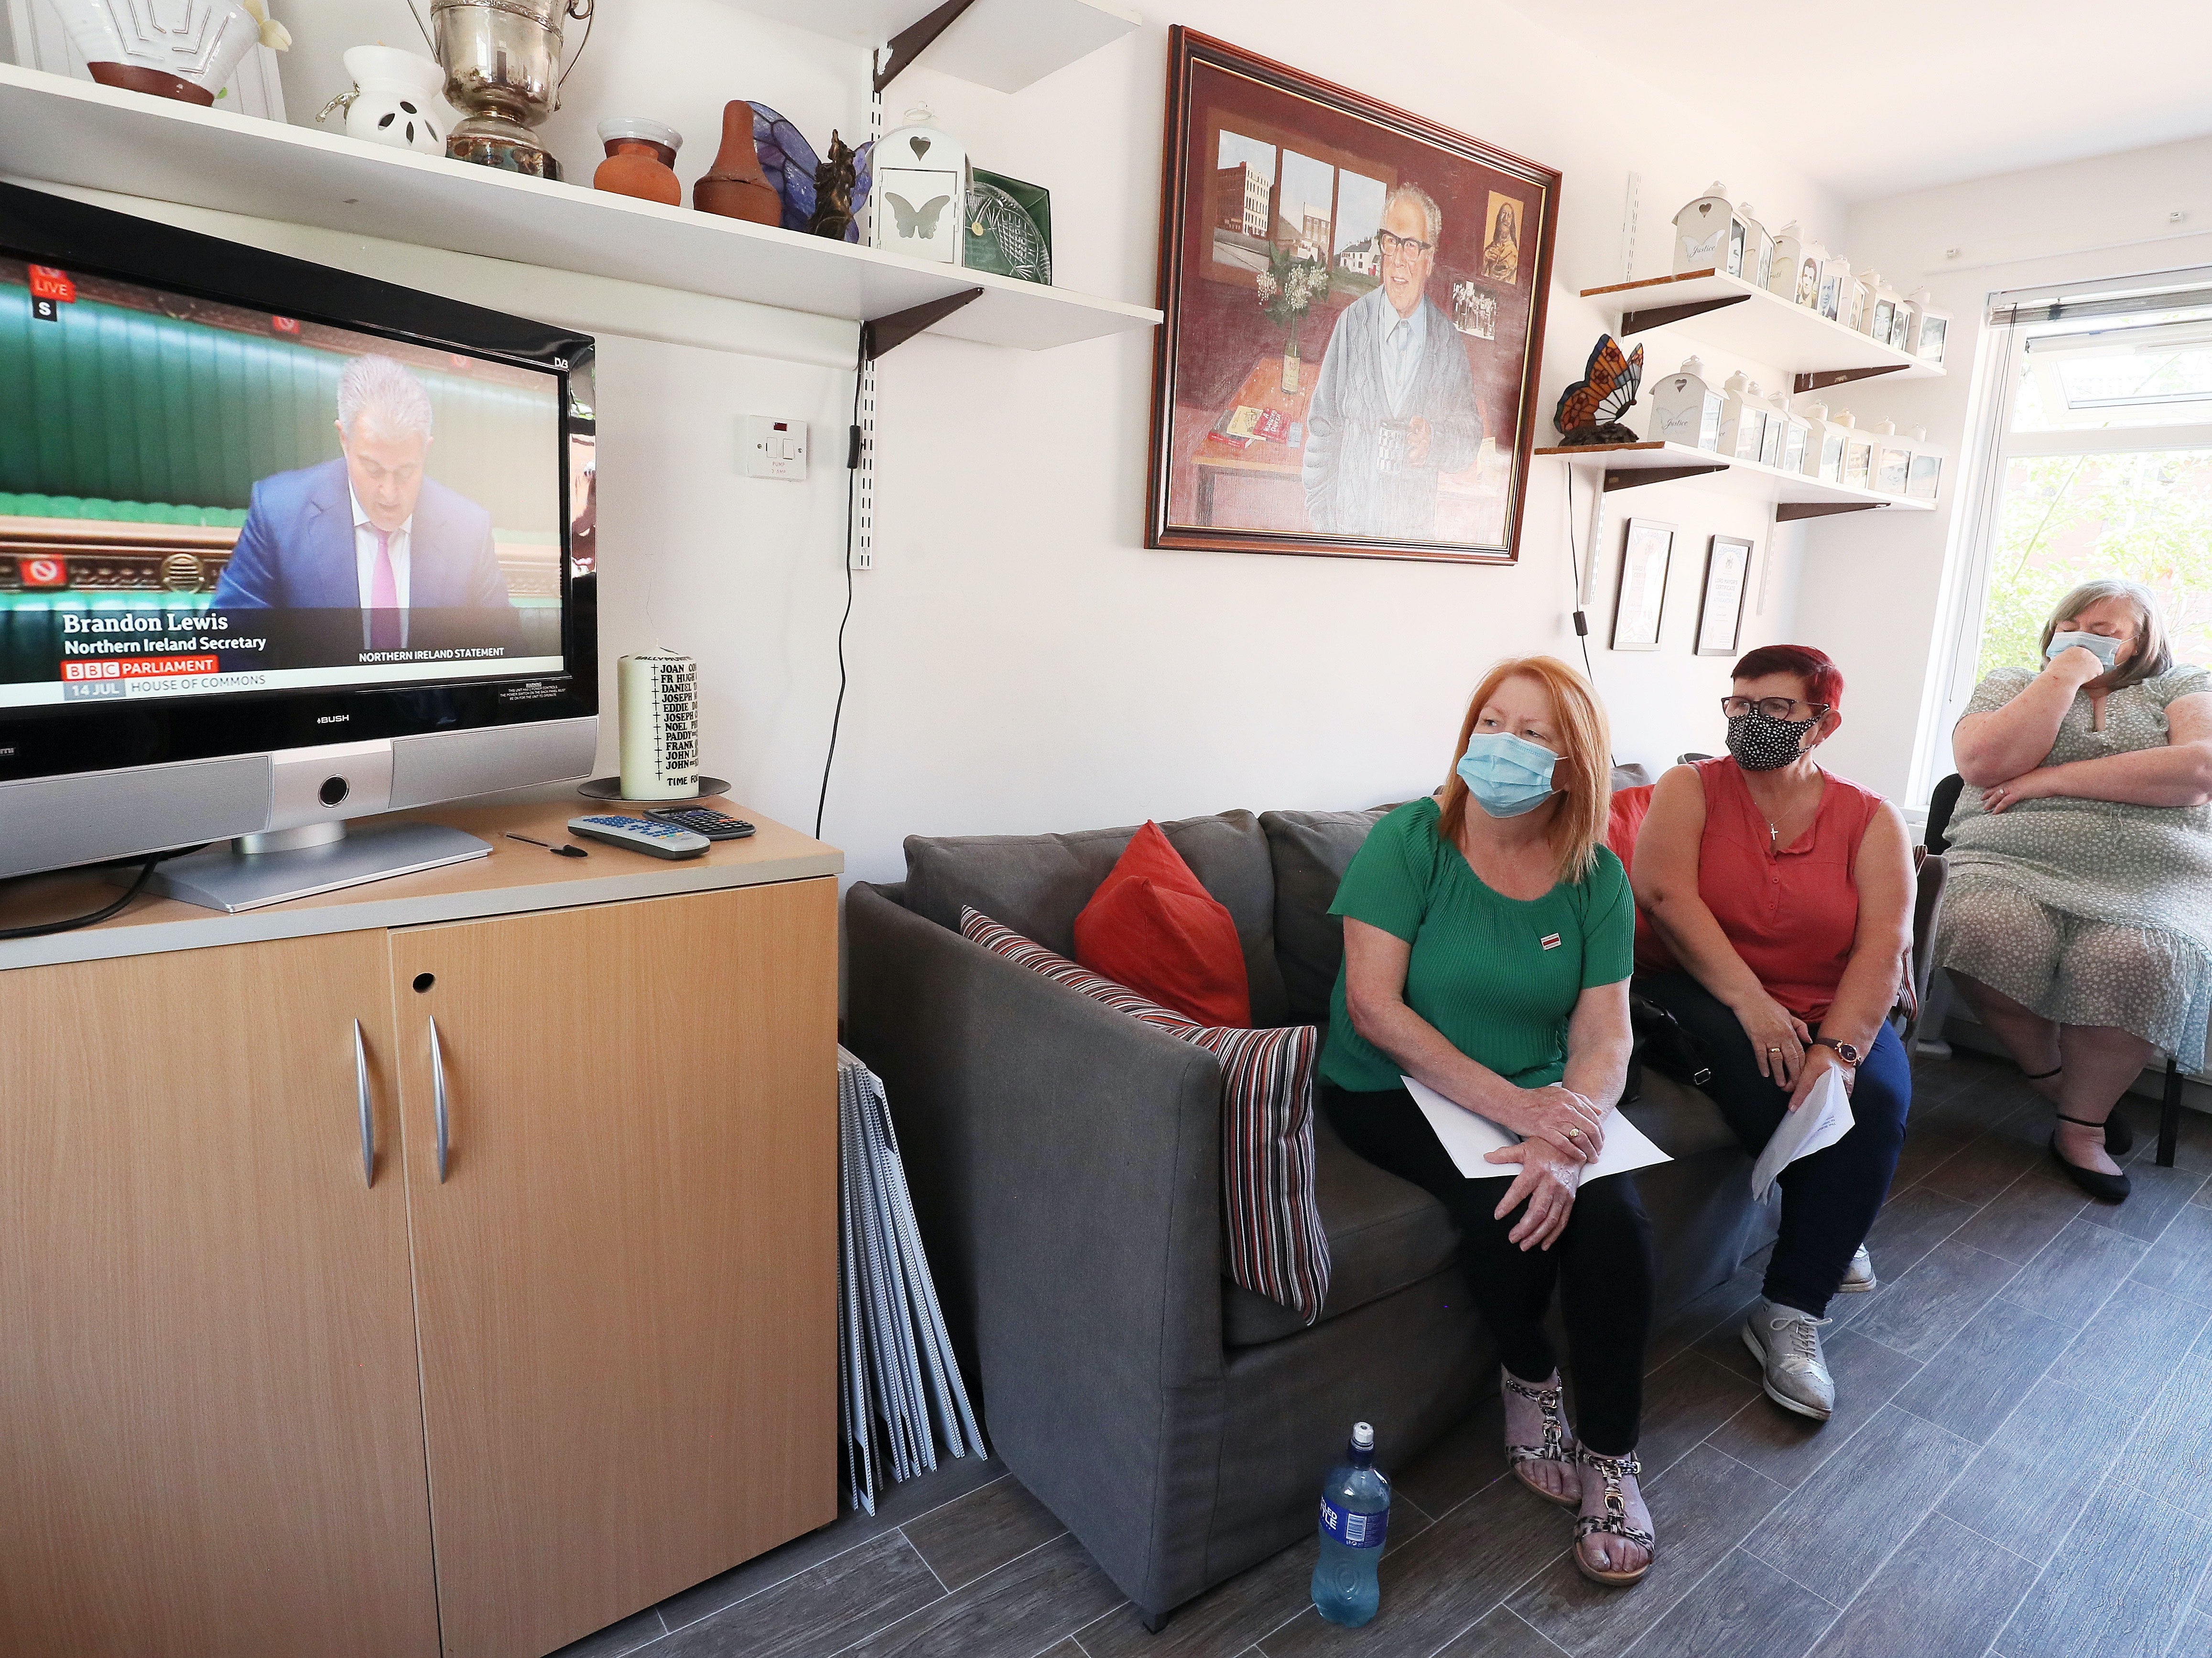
(1780, 903)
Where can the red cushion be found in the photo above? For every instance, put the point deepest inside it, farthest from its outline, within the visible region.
(1152, 927)
(1629, 807)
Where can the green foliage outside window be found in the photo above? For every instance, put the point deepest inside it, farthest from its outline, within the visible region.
(2069, 518)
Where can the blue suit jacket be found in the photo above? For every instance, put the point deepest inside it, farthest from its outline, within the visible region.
(295, 550)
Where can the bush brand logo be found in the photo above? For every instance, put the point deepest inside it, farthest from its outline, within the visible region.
(333, 719)
(1549, 941)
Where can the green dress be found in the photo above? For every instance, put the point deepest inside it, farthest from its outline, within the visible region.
(1498, 977)
(2089, 912)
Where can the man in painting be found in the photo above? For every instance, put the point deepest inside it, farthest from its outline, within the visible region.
(1394, 405)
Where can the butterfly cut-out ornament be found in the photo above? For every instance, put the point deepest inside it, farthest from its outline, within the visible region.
(1590, 410)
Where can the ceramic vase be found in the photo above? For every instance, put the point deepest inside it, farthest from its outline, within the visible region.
(735, 187)
(182, 49)
(394, 99)
(640, 160)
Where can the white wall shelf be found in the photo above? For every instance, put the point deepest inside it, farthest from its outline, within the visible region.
(1630, 466)
(1006, 45)
(58, 131)
(1759, 327)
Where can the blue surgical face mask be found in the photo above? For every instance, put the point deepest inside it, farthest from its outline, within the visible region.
(2105, 650)
(1507, 775)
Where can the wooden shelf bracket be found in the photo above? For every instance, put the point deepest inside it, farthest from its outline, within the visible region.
(910, 42)
(1787, 510)
(1658, 316)
(882, 334)
(1630, 479)
(1825, 377)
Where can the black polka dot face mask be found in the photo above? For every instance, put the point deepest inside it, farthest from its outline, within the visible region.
(1762, 743)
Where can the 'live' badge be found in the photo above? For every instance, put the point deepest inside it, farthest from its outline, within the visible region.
(1549, 941)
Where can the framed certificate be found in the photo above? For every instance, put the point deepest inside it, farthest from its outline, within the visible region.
(1642, 600)
(1720, 611)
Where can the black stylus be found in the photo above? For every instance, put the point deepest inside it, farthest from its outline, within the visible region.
(558, 851)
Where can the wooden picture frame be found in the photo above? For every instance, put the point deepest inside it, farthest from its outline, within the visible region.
(1277, 429)
(1639, 604)
(1720, 605)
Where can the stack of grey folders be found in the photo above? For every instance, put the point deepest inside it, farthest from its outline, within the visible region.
(889, 1330)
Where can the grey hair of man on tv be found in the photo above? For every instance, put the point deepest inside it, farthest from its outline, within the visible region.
(386, 389)
(1422, 199)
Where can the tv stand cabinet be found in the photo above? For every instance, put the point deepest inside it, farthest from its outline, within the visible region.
(276, 1383)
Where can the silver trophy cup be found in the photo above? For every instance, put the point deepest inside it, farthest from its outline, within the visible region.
(502, 62)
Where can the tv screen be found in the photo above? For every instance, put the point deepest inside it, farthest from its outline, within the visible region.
(204, 499)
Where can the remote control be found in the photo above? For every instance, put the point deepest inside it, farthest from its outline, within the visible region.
(661, 840)
(703, 820)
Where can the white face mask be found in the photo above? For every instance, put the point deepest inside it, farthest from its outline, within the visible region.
(2105, 650)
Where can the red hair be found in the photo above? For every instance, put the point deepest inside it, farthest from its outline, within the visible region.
(1822, 680)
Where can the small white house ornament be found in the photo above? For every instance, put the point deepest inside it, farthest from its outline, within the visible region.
(1776, 430)
(921, 187)
(1892, 468)
(1824, 445)
(1704, 232)
(1835, 303)
(1866, 288)
(1795, 273)
(1685, 409)
(1797, 431)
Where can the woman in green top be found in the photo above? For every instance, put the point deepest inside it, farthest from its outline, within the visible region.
(1487, 945)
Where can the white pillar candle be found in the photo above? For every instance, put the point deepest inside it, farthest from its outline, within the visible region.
(659, 697)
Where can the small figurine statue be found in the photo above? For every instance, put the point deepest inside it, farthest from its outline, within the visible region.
(835, 181)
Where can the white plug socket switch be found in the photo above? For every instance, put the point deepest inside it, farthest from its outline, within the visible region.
(775, 449)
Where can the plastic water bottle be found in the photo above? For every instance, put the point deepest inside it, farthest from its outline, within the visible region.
(1355, 1514)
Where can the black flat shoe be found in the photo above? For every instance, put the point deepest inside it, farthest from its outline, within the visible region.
(2120, 1138)
(2105, 1188)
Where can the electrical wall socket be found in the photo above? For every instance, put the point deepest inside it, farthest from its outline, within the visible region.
(775, 449)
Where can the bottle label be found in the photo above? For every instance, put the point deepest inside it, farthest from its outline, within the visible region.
(1354, 1531)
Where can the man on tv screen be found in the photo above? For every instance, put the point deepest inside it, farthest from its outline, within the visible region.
(369, 531)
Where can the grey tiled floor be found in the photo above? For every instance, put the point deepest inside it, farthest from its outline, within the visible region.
(2020, 1466)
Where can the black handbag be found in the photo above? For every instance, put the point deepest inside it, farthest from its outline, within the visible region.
(1662, 1042)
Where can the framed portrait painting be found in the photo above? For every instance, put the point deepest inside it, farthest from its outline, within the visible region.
(1720, 611)
(1354, 318)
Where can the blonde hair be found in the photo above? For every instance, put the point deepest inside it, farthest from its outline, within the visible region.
(2152, 656)
(1586, 749)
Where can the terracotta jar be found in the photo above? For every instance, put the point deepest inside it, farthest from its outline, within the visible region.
(735, 187)
(640, 160)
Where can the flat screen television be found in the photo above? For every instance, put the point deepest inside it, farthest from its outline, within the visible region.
(279, 546)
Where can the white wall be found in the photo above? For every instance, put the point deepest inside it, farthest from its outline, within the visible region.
(1875, 590)
(1020, 662)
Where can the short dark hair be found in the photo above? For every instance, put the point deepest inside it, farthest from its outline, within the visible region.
(1823, 680)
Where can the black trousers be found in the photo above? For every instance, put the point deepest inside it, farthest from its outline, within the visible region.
(1602, 1264)
(1830, 1200)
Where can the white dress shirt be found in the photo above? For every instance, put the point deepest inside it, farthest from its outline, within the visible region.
(364, 555)
(1402, 340)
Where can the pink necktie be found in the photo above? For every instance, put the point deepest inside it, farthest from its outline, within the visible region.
(384, 598)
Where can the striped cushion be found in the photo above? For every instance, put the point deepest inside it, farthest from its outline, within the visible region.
(1271, 1225)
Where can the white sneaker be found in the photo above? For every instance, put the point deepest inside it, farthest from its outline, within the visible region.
(1787, 1343)
(1858, 1276)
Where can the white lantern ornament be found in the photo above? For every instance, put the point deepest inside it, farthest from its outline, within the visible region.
(1743, 418)
(1757, 260)
(1858, 453)
(1891, 466)
(1776, 432)
(1927, 477)
(1929, 324)
(1824, 445)
(1705, 232)
(1686, 409)
(1796, 432)
(1835, 303)
(920, 191)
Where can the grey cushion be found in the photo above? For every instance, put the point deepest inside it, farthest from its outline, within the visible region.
(1311, 852)
(1383, 1235)
(1038, 884)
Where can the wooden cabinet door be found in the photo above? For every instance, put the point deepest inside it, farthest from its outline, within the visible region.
(211, 1422)
(626, 1278)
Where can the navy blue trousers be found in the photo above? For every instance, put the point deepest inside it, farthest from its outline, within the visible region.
(1830, 1200)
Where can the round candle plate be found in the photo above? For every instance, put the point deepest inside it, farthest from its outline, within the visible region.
(610, 789)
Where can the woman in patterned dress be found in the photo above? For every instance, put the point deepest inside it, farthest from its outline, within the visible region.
(2078, 923)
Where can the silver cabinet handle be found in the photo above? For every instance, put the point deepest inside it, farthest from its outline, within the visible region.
(368, 1114)
(438, 1097)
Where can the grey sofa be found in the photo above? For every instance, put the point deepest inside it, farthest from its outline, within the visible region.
(1066, 1169)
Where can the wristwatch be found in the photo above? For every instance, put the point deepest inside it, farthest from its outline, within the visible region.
(1845, 1051)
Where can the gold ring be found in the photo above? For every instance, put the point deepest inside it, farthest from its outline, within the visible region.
(1574, 1134)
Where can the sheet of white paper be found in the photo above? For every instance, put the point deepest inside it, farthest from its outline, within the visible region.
(1470, 1139)
(1823, 1119)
